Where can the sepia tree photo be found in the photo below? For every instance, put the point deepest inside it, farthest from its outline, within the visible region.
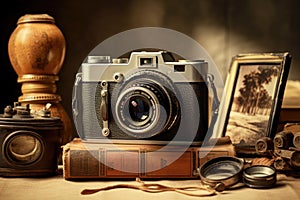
(252, 102)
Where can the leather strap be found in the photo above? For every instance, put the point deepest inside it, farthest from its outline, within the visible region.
(196, 191)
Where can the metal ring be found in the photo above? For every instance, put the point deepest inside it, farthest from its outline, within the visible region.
(259, 176)
(226, 170)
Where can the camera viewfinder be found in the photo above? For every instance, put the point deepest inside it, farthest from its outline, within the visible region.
(179, 68)
(147, 62)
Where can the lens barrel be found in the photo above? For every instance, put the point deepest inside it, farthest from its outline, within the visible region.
(145, 105)
(144, 110)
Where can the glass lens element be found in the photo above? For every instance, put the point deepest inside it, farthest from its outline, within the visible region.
(139, 108)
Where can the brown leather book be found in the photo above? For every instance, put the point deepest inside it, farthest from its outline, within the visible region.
(83, 160)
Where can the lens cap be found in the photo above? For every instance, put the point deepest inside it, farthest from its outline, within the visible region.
(259, 176)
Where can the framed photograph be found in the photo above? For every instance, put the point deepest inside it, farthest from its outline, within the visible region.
(252, 97)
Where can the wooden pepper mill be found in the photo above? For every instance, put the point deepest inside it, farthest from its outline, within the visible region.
(37, 50)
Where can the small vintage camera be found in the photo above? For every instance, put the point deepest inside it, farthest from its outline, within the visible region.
(29, 141)
(149, 97)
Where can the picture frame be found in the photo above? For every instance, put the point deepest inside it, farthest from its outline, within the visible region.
(252, 97)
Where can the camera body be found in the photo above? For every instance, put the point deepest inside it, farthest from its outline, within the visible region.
(148, 98)
(29, 142)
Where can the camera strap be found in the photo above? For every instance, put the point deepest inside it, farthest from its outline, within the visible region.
(196, 191)
(215, 105)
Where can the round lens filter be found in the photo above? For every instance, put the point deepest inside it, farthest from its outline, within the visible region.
(225, 170)
(259, 176)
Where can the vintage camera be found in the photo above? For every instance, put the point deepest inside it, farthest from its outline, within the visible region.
(29, 141)
(148, 97)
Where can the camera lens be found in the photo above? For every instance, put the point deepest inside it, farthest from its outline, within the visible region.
(144, 107)
(23, 147)
(139, 108)
(139, 112)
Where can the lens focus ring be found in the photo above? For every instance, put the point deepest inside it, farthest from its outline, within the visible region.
(139, 112)
(145, 104)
